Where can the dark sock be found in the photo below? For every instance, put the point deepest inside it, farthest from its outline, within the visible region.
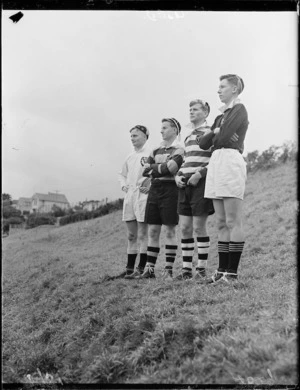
(143, 261)
(235, 252)
(223, 250)
(131, 261)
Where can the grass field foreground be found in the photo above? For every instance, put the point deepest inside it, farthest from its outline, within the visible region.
(63, 321)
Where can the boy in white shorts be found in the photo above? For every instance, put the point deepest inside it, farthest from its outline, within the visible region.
(226, 176)
(136, 188)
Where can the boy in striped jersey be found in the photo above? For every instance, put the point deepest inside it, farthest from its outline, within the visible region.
(193, 208)
(162, 165)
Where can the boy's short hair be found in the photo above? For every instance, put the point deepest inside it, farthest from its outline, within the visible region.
(234, 80)
(143, 129)
(174, 123)
(204, 105)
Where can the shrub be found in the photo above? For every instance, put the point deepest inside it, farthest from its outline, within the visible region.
(9, 211)
(15, 220)
(39, 219)
(272, 156)
(268, 158)
(6, 203)
(69, 211)
(57, 211)
(288, 151)
(252, 159)
(83, 215)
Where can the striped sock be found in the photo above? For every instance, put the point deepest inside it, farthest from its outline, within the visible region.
(203, 244)
(143, 261)
(187, 248)
(171, 251)
(223, 250)
(131, 261)
(235, 252)
(152, 254)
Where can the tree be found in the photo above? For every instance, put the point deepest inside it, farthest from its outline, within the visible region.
(9, 211)
(268, 158)
(288, 151)
(6, 199)
(252, 159)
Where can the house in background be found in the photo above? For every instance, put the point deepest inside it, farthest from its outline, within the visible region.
(24, 205)
(91, 205)
(43, 203)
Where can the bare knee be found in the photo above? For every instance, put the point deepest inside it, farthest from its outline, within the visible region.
(132, 237)
(222, 224)
(154, 232)
(142, 236)
(170, 233)
(186, 230)
(233, 223)
(200, 228)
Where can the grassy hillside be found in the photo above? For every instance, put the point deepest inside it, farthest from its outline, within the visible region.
(63, 322)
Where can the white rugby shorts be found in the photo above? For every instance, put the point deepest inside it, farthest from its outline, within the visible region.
(226, 175)
(134, 205)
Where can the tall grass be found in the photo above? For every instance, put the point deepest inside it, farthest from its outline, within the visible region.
(63, 323)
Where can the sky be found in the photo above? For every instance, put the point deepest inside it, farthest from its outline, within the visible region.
(75, 82)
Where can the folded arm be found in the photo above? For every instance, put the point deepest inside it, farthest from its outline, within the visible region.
(167, 168)
(233, 122)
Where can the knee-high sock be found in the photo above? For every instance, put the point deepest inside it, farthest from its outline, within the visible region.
(187, 248)
(235, 252)
(223, 250)
(203, 245)
(143, 261)
(171, 251)
(131, 256)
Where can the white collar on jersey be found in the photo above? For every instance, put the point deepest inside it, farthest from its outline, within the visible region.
(229, 105)
(142, 149)
(192, 127)
(174, 144)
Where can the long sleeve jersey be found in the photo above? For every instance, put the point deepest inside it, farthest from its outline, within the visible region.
(195, 159)
(164, 162)
(233, 120)
(132, 169)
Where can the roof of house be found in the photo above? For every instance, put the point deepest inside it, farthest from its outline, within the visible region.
(51, 197)
(22, 199)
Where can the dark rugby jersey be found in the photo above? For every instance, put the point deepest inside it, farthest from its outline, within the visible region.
(233, 120)
(164, 162)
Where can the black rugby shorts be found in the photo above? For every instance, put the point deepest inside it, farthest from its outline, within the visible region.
(191, 201)
(161, 208)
